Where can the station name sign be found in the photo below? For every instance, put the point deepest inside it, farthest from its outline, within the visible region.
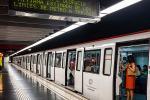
(76, 8)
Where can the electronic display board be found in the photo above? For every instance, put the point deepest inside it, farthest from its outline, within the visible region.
(77, 8)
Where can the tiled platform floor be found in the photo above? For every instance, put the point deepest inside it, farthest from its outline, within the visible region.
(15, 85)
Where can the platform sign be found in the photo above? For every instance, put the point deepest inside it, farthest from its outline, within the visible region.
(78, 8)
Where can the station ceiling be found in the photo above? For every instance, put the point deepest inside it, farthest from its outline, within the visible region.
(17, 32)
(129, 20)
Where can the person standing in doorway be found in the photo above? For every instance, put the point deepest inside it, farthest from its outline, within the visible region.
(1, 61)
(130, 77)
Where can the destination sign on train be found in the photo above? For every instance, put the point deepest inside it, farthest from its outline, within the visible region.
(77, 8)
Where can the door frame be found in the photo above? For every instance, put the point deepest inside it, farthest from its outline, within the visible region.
(48, 53)
(66, 68)
(119, 44)
(148, 76)
(31, 58)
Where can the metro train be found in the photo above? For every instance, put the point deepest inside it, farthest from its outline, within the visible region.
(93, 68)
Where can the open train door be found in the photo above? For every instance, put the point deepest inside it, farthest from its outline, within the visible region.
(148, 80)
(141, 53)
(79, 70)
(52, 67)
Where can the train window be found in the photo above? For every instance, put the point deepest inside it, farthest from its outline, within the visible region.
(79, 60)
(29, 58)
(39, 57)
(35, 59)
(50, 60)
(107, 61)
(92, 61)
(46, 59)
(64, 60)
(58, 59)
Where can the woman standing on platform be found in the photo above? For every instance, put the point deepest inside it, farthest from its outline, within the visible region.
(130, 77)
(1, 61)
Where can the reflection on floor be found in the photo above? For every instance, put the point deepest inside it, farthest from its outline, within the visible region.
(15, 85)
(137, 97)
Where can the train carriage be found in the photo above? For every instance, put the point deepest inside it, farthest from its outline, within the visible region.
(93, 69)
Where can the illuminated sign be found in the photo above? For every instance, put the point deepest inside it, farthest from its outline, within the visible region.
(78, 8)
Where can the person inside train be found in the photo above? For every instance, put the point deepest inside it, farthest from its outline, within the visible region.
(138, 71)
(145, 71)
(95, 68)
(87, 65)
(72, 71)
(130, 77)
(143, 81)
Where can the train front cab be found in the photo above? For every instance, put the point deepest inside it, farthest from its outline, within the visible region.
(141, 52)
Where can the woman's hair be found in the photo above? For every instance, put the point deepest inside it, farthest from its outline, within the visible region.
(131, 59)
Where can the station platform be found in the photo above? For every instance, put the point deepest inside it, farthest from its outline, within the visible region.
(18, 84)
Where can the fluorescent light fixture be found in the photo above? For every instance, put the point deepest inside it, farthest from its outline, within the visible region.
(118, 6)
(63, 31)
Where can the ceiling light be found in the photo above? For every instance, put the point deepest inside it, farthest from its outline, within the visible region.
(118, 6)
(63, 31)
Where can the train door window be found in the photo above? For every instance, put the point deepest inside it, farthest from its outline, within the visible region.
(46, 59)
(31, 59)
(140, 53)
(64, 60)
(35, 59)
(107, 61)
(28, 59)
(79, 60)
(50, 64)
(92, 61)
(27, 62)
(38, 63)
(71, 60)
(58, 60)
(33, 62)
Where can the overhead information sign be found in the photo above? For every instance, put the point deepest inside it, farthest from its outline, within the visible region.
(76, 8)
